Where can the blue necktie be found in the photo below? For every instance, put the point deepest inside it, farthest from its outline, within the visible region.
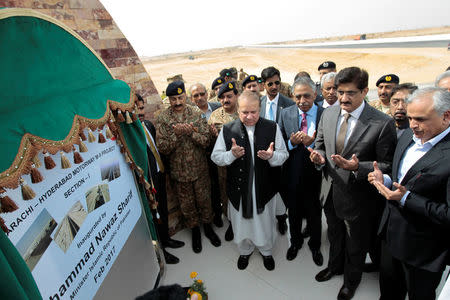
(271, 112)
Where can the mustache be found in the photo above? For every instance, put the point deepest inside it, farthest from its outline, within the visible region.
(384, 94)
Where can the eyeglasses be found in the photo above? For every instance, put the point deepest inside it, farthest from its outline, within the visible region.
(269, 84)
(306, 96)
(201, 94)
(349, 93)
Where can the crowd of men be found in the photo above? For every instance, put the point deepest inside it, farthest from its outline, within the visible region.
(379, 170)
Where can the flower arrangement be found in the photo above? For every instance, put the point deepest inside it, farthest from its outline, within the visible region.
(197, 288)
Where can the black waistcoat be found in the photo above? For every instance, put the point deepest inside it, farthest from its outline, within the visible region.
(266, 177)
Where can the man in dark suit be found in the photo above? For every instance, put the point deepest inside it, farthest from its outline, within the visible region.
(271, 106)
(300, 179)
(415, 226)
(158, 177)
(349, 139)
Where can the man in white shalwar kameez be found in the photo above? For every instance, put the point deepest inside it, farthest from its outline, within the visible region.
(253, 150)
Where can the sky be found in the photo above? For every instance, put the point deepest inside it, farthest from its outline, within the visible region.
(163, 27)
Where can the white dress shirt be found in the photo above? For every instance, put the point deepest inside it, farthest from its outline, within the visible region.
(354, 116)
(274, 107)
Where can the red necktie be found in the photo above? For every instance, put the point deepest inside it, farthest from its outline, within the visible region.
(304, 124)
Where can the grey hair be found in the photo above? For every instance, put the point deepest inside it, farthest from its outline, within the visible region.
(441, 98)
(328, 77)
(442, 76)
(197, 84)
(303, 80)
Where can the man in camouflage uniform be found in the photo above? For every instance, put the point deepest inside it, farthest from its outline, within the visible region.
(183, 135)
(215, 87)
(228, 95)
(385, 85)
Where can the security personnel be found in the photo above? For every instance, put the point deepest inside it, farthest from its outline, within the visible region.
(385, 85)
(215, 86)
(250, 83)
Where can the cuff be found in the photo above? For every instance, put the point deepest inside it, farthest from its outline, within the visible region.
(403, 200)
(290, 146)
(387, 181)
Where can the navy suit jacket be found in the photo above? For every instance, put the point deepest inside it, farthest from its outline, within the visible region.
(283, 102)
(419, 232)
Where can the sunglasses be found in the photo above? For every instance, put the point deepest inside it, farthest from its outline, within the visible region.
(269, 84)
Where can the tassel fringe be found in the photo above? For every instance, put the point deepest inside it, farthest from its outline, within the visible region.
(120, 117)
(27, 191)
(3, 226)
(83, 147)
(36, 161)
(108, 133)
(48, 161)
(36, 176)
(65, 163)
(91, 137)
(101, 138)
(82, 135)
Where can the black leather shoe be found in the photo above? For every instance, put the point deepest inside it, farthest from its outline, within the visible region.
(170, 258)
(218, 220)
(306, 232)
(282, 226)
(292, 252)
(370, 267)
(243, 261)
(211, 235)
(171, 243)
(196, 240)
(269, 263)
(325, 275)
(317, 257)
(346, 293)
(229, 234)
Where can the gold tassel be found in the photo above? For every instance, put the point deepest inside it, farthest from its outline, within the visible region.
(48, 161)
(27, 191)
(108, 133)
(83, 147)
(120, 117)
(7, 204)
(128, 118)
(91, 137)
(147, 185)
(36, 176)
(82, 135)
(101, 138)
(65, 163)
(134, 116)
(3, 225)
(111, 117)
(76, 156)
(36, 161)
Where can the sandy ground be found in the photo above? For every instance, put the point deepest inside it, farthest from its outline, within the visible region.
(419, 65)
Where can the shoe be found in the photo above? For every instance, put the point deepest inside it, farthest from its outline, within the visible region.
(211, 235)
(326, 274)
(306, 233)
(282, 226)
(229, 234)
(196, 240)
(269, 263)
(345, 293)
(170, 258)
(171, 243)
(317, 257)
(218, 220)
(292, 252)
(243, 261)
(370, 267)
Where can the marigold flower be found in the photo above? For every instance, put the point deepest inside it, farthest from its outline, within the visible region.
(199, 296)
(199, 281)
(193, 274)
(190, 292)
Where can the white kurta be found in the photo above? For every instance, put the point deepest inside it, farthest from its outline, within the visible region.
(259, 231)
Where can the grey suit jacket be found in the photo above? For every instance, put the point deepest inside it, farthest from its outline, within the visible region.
(373, 138)
(283, 102)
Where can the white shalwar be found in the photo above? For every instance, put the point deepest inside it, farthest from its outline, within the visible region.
(259, 231)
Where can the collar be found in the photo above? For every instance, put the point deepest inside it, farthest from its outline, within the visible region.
(356, 113)
(432, 141)
(209, 107)
(275, 100)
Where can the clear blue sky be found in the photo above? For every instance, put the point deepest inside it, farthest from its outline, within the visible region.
(161, 27)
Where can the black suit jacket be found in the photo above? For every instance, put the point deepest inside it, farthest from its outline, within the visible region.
(283, 102)
(289, 123)
(419, 232)
(373, 138)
